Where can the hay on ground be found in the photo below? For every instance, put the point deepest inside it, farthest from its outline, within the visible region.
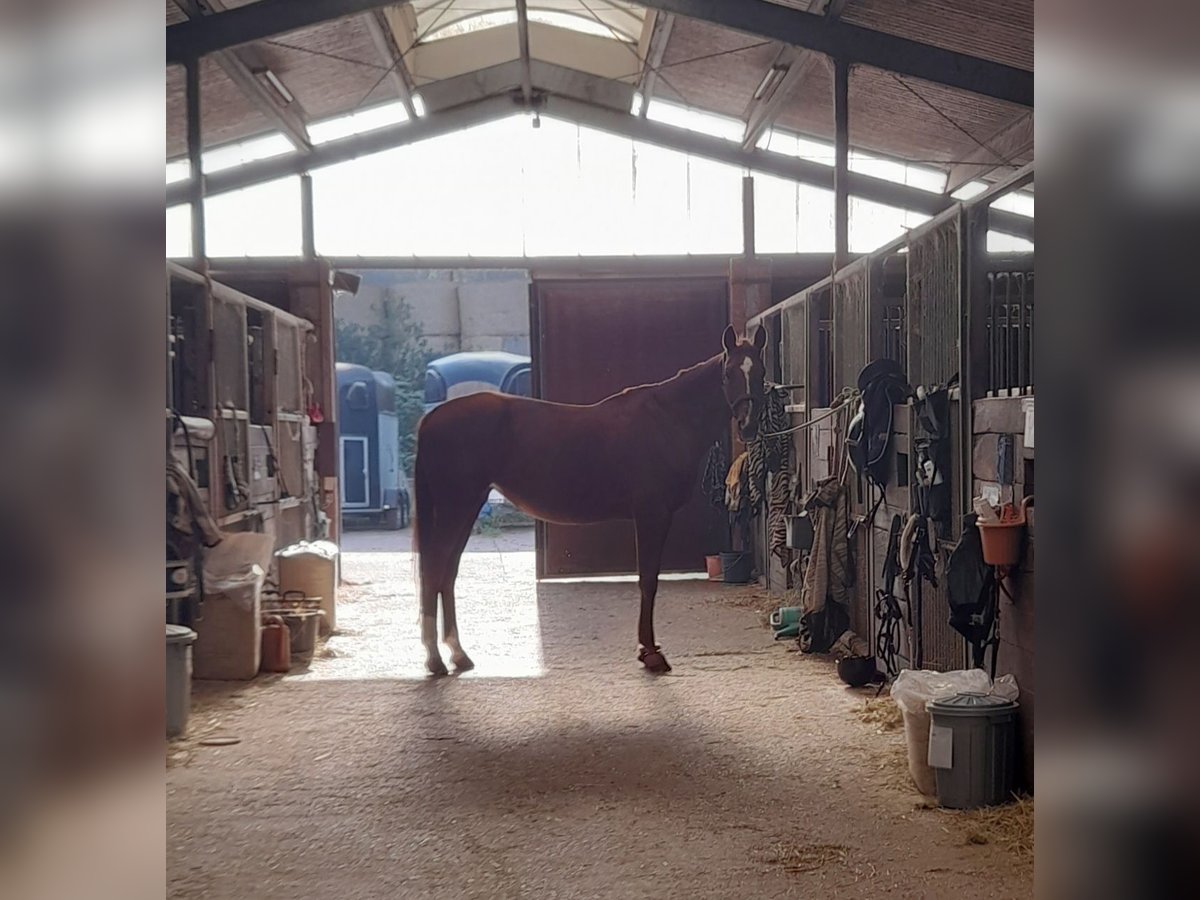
(750, 596)
(803, 858)
(881, 712)
(893, 769)
(1009, 826)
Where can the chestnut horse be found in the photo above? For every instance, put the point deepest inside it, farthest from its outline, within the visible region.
(635, 455)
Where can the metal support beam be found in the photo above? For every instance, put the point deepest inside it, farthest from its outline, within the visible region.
(659, 37)
(762, 113)
(348, 148)
(1012, 141)
(770, 20)
(195, 183)
(548, 78)
(254, 22)
(748, 215)
(240, 66)
(392, 55)
(841, 163)
(308, 230)
(860, 45)
(523, 42)
(605, 119)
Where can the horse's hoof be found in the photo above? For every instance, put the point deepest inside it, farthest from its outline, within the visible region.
(436, 667)
(654, 661)
(462, 664)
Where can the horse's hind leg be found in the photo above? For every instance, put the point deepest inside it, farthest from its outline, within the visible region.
(469, 513)
(458, 656)
(429, 598)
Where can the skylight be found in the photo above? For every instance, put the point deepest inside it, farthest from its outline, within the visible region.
(357, 122)
(441, 19)
(926, 178)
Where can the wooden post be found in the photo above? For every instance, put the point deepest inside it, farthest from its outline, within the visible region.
(841, 170)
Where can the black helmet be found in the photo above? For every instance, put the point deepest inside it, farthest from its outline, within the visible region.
(857, 671)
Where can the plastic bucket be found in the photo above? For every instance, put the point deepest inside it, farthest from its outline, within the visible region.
(179, 678)
(304, 626)
(736, 567)
(712, 565)
(1001, 542)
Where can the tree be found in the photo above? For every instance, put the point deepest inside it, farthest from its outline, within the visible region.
(394, 344)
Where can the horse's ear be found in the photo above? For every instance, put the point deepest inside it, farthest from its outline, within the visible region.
(729, 339)
(760, 338)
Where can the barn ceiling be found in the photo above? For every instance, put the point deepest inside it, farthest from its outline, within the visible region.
(451, 49)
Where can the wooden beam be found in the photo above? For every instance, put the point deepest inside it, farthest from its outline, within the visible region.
(240, 66)
(1012, 141)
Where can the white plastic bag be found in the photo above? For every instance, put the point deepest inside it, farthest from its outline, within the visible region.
(234, 557)
(323, 549)
(913, 689)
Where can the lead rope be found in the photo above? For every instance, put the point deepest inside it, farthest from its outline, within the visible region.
(843, 400)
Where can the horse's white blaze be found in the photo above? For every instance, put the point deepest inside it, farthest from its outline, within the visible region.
(747, 365)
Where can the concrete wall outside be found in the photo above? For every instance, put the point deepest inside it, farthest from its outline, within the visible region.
(493, 308)
(457, 309)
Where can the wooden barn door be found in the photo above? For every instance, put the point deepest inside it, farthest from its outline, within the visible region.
(591, 339)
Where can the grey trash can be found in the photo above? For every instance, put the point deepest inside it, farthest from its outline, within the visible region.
(179, 678)
(972, 749)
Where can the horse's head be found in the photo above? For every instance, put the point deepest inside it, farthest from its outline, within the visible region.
(743, 379)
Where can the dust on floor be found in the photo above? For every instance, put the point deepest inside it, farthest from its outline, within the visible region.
(558, 768)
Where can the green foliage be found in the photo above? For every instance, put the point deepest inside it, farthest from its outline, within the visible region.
(394, 344)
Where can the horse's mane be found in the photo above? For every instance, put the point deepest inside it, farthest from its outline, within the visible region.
(682, 378)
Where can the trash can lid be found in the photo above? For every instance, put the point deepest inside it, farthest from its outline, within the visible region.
(971, 703)
(179, 634)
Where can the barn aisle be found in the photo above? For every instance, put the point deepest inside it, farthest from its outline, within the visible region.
(558, 769)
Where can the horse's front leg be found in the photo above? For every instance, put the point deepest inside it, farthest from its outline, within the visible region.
(651, 537)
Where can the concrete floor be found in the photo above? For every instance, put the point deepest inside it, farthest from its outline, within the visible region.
(558, 768)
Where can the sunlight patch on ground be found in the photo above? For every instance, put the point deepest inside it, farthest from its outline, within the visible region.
(378, 631)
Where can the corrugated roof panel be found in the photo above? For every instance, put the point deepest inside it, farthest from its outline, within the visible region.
(999, 30)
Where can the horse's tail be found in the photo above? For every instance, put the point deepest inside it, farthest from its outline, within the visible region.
(423, 510)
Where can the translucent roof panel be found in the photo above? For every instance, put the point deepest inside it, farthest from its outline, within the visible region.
(438, 19)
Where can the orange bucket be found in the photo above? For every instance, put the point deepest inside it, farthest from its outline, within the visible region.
(1002, 540)
(712, 565)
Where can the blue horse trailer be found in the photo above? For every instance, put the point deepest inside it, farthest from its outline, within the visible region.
(374, 483)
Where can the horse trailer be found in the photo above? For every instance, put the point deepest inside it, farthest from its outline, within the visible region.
(374, 484)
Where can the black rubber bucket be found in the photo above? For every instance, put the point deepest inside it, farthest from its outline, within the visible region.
(736, 567)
